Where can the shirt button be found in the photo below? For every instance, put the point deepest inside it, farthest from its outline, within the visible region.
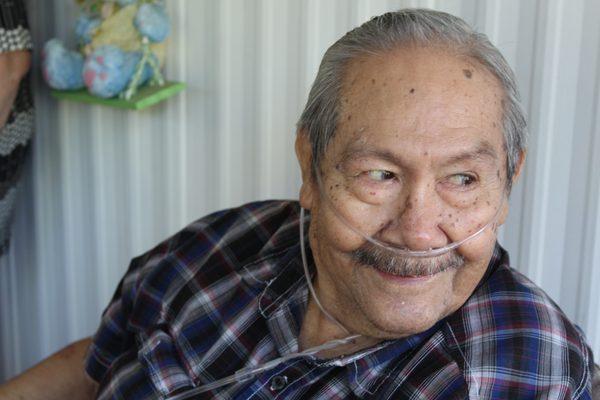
(278, 382)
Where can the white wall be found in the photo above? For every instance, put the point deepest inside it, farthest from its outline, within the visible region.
(105, 185)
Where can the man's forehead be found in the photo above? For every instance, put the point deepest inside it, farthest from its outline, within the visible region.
(411, 71)
(415, 60)
(479, 150)
(437, 103)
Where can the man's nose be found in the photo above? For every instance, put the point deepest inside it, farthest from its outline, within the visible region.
(418, 220)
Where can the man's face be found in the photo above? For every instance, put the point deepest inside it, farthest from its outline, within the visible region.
(417, 161)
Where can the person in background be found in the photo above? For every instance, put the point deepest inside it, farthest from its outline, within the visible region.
(16, 108)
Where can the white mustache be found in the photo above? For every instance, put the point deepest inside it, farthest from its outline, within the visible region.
(387, 261)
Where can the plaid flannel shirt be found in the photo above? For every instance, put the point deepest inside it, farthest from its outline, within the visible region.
(228, 292)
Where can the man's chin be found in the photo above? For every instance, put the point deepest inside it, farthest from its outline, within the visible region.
(399, 328)
(398, 306)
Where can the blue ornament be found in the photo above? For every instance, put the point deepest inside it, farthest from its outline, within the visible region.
(108, 70)
(85, 27)
(62, 68)
(152, 22)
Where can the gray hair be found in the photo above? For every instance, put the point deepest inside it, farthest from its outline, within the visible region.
(392, 30)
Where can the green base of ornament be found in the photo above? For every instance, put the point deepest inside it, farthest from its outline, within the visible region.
(145, 97)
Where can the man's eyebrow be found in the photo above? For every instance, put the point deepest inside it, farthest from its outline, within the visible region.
(355, 152)
(482, 151)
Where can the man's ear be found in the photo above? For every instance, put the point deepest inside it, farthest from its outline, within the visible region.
(515, 178)
(304, 154)
(519, 166)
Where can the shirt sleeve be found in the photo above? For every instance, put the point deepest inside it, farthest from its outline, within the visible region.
(596, 379)
(14, 28)
(114, 336)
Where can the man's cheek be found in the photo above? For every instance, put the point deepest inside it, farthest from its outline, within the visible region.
(478, 249)
(332, 230)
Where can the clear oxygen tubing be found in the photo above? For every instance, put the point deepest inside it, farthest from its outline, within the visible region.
(308, 280)
(432, 252)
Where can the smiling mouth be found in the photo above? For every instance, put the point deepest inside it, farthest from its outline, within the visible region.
(405, 278)
(403, 275)
(402, 278)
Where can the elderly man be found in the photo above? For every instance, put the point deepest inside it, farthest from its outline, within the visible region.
(409, 143)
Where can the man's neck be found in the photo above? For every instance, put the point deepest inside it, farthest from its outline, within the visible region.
(317, 328)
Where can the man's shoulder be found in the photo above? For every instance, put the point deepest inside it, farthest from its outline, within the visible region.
(212, 251)
(242, 232)
(268, 222)
(522, 307)
(515, 340)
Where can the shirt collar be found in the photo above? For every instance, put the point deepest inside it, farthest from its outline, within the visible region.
(283, 301)
(499, 256)
(366, 374)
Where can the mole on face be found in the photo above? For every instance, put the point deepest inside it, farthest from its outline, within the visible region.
(412, 90)
(468, 73)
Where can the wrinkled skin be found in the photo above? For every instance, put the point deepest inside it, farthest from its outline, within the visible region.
(410, 113)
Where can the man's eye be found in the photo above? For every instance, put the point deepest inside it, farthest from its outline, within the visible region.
(463, 180)
(380, 175)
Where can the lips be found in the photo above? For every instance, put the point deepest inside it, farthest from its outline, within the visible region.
(408, 279)
(408, 276)
(404, 272)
